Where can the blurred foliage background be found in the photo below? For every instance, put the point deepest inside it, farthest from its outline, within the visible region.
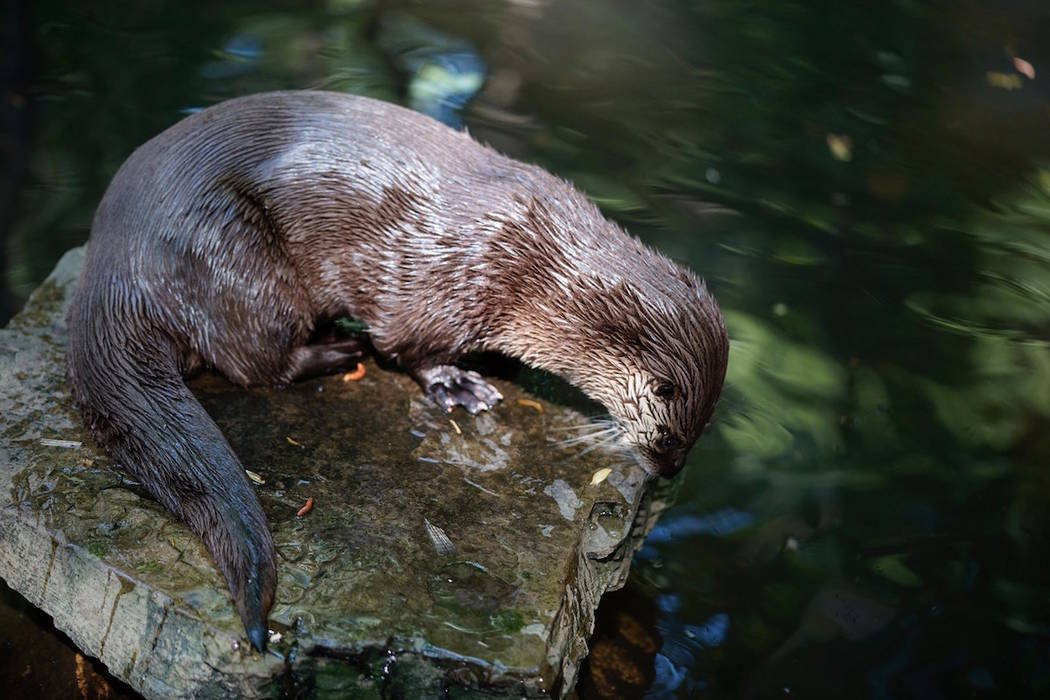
(865, 186)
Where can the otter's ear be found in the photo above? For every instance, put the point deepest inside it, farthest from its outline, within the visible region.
(692, 281)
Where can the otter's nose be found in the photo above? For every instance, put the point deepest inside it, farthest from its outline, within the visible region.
(668, 455)
(669, 464)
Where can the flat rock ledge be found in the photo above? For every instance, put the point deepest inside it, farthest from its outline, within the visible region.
(444, 556)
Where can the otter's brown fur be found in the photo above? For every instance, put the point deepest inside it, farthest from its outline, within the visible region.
(228, 238)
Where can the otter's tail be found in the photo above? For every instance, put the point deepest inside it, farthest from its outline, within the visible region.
(125, 377)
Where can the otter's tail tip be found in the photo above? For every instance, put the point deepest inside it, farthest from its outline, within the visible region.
(257, 635)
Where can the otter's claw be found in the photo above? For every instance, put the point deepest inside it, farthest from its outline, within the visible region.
(449, 386)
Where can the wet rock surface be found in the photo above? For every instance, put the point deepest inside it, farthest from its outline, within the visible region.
(443, 553)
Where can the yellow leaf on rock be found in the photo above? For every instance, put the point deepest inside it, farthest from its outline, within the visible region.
(600, 476)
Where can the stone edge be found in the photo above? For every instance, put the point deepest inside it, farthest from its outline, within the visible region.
(72, 574)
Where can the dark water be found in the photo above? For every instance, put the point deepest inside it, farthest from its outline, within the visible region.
(866, 187)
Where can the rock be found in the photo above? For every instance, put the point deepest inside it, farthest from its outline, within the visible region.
(443, 553)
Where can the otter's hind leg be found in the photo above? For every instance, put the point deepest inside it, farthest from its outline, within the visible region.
(449, 386)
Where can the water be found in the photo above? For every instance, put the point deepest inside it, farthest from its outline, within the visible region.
(867, 191)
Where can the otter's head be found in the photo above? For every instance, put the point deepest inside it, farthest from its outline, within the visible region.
(636, 332)
(655, 356)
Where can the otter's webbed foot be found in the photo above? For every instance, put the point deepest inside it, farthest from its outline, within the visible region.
(449, 386)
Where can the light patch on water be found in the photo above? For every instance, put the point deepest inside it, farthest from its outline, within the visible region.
(565, 497)
(536, 628)
(483, 455)
(719, 523)
(625, 480)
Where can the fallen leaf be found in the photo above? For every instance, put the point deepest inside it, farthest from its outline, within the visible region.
(68, 444)
(893, 568)
(1004, 81)
(1024, 68)
(600, 476)
(841, 147)
(441, 541)
(356, 374)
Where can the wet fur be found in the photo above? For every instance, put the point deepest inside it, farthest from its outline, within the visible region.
(228, 238)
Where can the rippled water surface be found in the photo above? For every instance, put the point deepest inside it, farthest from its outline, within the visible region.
(866, 188)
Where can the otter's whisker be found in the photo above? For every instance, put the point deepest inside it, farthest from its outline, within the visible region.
(597, 429)
(584, 427)
(588, 436)
(601, 435)
(591, 448)
(604, 443)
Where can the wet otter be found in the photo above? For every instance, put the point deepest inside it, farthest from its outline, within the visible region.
(226, 240)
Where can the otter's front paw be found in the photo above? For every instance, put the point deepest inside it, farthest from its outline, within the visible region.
(450, 386)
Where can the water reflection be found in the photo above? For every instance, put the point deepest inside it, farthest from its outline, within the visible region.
(444, 72)
(867, 189)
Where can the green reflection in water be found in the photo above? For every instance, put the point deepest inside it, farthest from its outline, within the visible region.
(866, 188)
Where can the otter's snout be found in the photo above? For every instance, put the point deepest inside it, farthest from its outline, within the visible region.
(666, 462)
(668, 465)
(667, 453)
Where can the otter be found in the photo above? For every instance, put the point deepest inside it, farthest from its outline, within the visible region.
(231, 238)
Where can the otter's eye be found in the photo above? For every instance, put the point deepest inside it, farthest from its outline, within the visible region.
(669, 443)
(664, 390)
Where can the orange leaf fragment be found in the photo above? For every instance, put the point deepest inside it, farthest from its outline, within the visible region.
(356, 374)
